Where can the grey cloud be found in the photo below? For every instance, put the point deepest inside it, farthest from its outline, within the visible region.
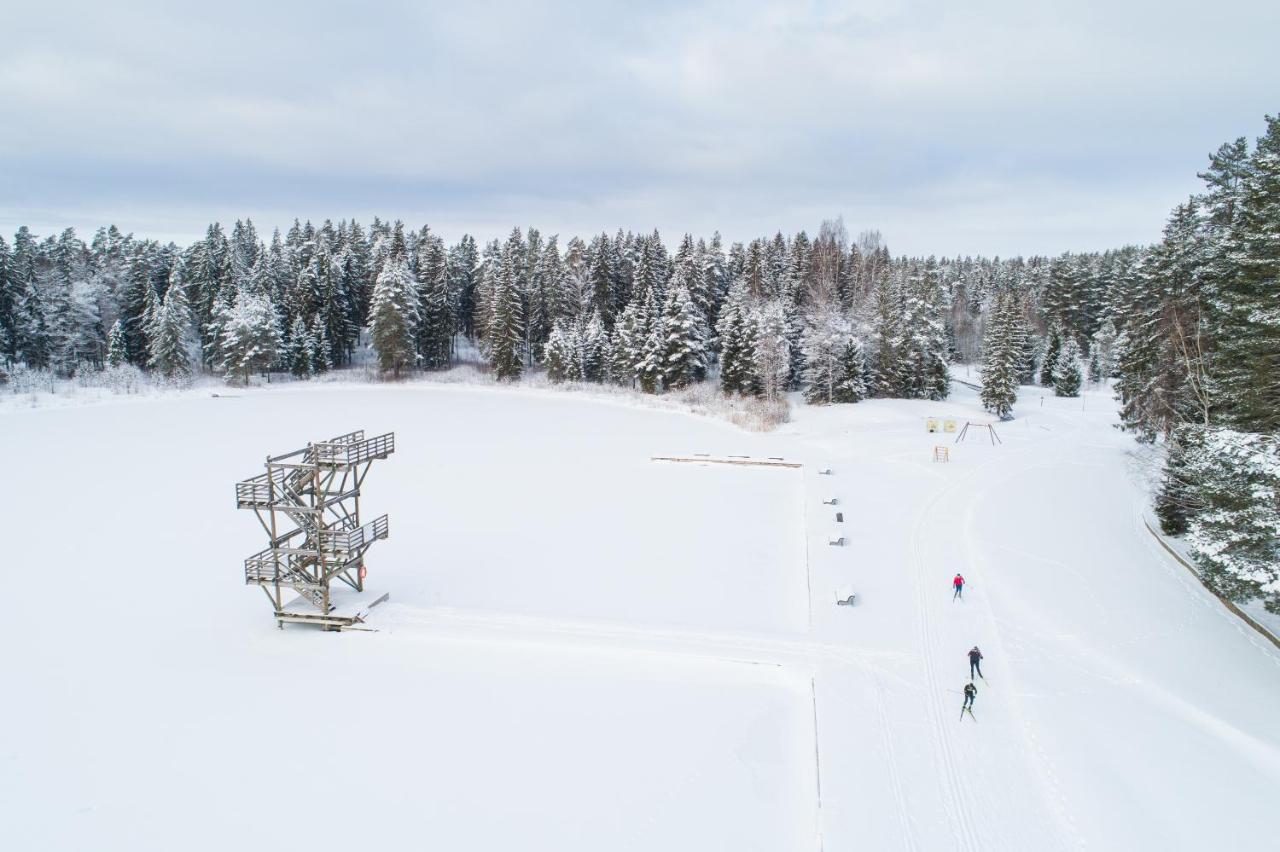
(997, 127)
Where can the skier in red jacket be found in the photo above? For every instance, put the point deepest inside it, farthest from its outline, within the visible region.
(958, 585)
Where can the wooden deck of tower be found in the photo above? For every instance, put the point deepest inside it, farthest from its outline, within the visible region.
(308, 503)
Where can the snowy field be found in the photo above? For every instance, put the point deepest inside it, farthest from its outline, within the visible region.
(586, 649)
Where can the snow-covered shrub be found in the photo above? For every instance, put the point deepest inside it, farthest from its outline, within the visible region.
(24, 379)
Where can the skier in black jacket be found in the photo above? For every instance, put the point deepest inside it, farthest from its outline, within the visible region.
(970, 692)
(975, 663)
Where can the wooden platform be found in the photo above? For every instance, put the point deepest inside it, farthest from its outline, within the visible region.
(349, 608)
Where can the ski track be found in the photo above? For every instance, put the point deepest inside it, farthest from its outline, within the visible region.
(955, 793)
(1042, 769)
(604, 637)
(895, 779)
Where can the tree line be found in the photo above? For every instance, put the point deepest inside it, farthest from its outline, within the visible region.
(1188, 329)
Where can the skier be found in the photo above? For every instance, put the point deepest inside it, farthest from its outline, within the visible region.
(970, 692)
(958, 585)
(975, 663)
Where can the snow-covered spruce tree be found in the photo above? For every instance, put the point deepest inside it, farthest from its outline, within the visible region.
(1096, 375)
(298, 353)
(117, 346)
(435, 326)
(771, 354)
(170, 333)
(1032, 352)
(628, 344)
(558, 353)
(505, 334)
(887, 338)
(1102, 348)
(1248, 302)
(250, 337)
(735, 341)
(321, 347)
(924, 350)
(1067, 376)
(593, 352)
(852, 384)
(1002, 357)
(1049, 361)
(649, 368)
(1235, 537)
(685, 352)
(8, 304)
(393, 313)
(1175, 499)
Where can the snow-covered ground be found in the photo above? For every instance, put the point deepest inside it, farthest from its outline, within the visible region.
(587, 649)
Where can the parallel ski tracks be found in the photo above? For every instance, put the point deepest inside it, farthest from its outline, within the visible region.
(603, 637)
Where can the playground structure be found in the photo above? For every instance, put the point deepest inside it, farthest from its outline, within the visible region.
(978, 427)
(308, 503)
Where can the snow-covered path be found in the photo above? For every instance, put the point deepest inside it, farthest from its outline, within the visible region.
(586, 649)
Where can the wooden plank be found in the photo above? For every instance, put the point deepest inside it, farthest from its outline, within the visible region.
(740, 460)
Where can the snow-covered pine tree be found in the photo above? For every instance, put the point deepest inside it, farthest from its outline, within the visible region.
(601, 275)
(321, 347)
(771, 354)
(1002, 357)
(685, 352)
(593, 350)
(393, 312)
(463, 260)
(117, 346)
(505, 335)
(435, 326)
(1235, 537)
(628, 341)
(852, 384)
(1067, 376)
(171, 332)
(1032, 352)
(8, 305)
(735, 340)
(558, 354)
(298, 352)
(887, 342)
(1102, 348)
(1049, 362)
(1248, 301)
(250, 337)
(923, 356)
(651, 340)
(825, 341)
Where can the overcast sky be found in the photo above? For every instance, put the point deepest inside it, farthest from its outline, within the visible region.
(958, 127)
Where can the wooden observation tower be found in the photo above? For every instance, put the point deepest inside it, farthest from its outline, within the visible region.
(308, 502)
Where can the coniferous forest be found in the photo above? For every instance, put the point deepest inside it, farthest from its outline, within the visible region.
(1187, 330)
